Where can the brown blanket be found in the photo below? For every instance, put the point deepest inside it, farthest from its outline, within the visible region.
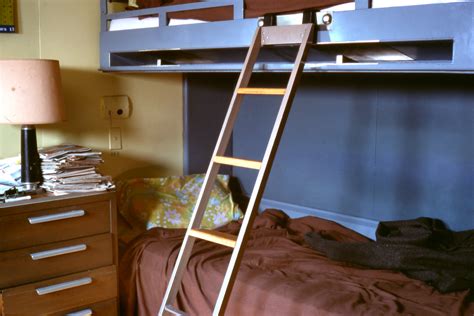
(279, 275)
(253, 8)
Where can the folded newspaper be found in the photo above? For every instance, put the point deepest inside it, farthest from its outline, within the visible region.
(72, 168)
(66, 168)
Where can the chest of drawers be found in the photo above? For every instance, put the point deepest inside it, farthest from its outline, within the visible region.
(58, 255)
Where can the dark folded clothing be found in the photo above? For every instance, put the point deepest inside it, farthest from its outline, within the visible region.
(422, 248)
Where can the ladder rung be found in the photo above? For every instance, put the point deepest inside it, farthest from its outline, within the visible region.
(265, 91)
(236, 162)
(171, 309)
(214, 236)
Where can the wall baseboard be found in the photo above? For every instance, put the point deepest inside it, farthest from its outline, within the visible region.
(361, 225)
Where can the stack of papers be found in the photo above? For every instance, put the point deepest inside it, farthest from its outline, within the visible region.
(72, 168)
(10, 173)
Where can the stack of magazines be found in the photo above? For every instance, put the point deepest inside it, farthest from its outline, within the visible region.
(72, 168)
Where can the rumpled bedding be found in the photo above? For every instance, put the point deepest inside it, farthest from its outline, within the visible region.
(279, 275)
(423, 248)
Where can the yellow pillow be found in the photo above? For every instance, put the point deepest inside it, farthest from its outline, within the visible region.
(169, 202)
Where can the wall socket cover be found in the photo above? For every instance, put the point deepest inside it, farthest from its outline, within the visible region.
(117, 105)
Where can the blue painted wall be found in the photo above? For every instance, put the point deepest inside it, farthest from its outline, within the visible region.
(375, 146)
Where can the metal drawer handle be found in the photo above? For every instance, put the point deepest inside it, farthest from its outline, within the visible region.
(56, 217)
(63, 286)
(85, 312)
(57, 252)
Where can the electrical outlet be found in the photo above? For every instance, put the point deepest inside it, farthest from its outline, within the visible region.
(115, 107)
(115, 138)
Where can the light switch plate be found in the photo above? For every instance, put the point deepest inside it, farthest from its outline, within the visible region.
(115, 138)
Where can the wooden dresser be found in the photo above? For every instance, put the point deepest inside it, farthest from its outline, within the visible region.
(58, 255)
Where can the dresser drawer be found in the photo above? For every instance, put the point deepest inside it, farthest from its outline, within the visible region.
(51, 260)
(107, 308)
(61, 294)
(54, 224)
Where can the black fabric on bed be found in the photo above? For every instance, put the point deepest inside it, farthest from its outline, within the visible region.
(424, 249)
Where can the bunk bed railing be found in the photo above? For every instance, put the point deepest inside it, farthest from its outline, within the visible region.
(162, 12)
(391, 39)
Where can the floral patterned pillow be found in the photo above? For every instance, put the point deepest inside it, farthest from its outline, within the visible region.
(169, 202)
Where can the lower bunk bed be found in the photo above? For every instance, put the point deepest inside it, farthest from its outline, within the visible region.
(280, 275)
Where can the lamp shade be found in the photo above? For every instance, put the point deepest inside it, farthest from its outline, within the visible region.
(30, 92)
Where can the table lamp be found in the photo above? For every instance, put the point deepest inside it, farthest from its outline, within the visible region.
(30, 94)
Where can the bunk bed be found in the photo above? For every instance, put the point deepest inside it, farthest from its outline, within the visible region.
(434, 37)
(280, 273)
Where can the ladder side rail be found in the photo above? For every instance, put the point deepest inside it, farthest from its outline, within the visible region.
(262, 177)
(174, 282)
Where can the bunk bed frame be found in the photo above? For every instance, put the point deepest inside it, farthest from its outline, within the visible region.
(435, 38)
(423, 38)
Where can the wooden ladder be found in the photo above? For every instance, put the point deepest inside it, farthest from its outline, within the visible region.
(300, 35)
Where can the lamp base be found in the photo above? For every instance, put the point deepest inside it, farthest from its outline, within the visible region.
(30, 186)
(30, 160)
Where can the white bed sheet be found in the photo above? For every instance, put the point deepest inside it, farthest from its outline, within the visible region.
(142, 23)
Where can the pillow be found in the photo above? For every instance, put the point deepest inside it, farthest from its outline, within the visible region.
(169, 202)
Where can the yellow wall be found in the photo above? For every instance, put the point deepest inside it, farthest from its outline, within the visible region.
(68, 30)
(25, 44)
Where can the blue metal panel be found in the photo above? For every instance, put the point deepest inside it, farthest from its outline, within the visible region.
(103, 13)
(374, 146)
(399, 24)
(406, 24)
(425, 151)
(326, 157)
(212, 35)
(204, 111)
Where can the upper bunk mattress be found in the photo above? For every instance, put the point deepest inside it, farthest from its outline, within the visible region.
(253, 8)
